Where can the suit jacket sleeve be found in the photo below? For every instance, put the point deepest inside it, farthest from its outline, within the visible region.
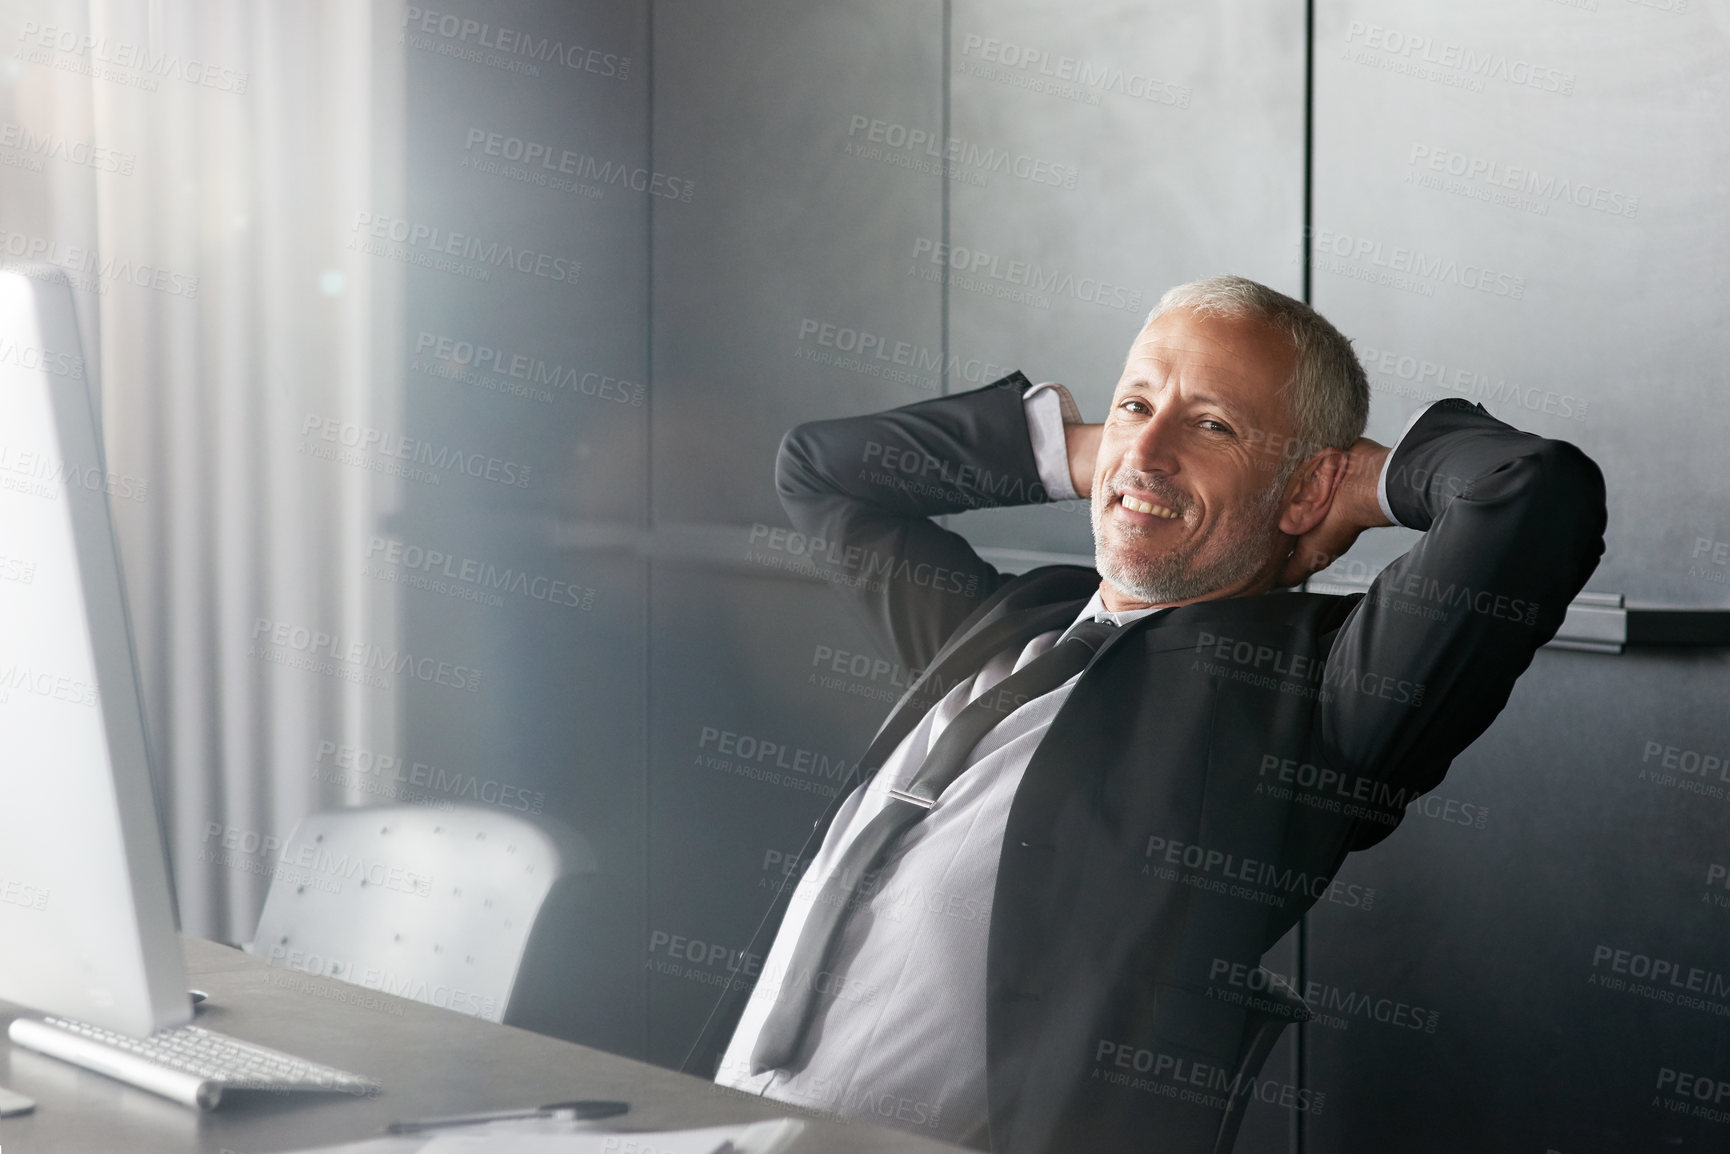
(1513, 526)
(863, 491)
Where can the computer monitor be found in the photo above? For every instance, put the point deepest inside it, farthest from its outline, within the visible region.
(87, 919)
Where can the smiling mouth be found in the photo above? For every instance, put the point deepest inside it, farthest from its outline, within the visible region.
(1137, 505)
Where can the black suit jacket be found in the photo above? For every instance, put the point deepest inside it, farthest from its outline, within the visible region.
(1215, 763)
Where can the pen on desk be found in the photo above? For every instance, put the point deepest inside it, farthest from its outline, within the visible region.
(582, 1110)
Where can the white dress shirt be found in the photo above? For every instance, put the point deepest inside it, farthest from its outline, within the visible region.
(898, 1034)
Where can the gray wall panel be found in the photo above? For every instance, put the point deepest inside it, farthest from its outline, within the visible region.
(787, 258)
(539, 166)
(1177, 133)
(531, 134)
(1523, 205)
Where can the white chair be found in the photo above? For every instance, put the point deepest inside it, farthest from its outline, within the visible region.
(437, 906)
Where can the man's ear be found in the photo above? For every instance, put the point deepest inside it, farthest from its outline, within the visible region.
(1311, 490)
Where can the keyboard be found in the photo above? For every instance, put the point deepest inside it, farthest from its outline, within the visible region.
(189, 1064)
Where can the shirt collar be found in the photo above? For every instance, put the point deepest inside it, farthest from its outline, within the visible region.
(1095, 610)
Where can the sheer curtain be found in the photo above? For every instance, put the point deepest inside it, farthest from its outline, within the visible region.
(257, 131)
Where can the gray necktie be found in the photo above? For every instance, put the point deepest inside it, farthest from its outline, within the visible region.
(790, 1016)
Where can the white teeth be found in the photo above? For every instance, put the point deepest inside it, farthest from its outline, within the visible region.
(1141, 506)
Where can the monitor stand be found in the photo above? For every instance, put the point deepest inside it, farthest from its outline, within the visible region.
(14, 1103)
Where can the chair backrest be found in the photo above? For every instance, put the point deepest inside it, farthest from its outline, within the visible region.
(434, 905)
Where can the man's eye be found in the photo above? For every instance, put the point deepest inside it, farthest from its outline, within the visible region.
(1215, 426)
(1137, 407)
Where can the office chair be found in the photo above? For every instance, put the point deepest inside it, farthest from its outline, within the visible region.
(439, 906)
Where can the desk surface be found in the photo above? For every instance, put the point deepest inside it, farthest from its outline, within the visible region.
(430, 1061)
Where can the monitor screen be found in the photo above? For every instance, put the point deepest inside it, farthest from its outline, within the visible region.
(87, 925)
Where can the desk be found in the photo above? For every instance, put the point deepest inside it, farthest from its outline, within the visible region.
(430, 1061)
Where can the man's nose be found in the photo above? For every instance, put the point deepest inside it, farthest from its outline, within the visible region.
(1153, 448)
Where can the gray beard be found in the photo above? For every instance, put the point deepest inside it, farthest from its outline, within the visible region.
(1174, 576)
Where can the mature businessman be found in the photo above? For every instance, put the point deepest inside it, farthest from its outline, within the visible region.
(1028, 928)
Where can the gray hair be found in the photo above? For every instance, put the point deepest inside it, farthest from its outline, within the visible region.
(1328, 394)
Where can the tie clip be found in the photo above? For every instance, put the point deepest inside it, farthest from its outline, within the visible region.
(912, 798)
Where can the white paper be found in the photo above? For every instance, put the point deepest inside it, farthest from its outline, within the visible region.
(770, 1137)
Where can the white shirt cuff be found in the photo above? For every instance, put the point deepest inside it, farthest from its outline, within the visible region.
(1050, 407)
(1382, 482)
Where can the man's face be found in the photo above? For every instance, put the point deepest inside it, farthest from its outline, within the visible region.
(1187, 498)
